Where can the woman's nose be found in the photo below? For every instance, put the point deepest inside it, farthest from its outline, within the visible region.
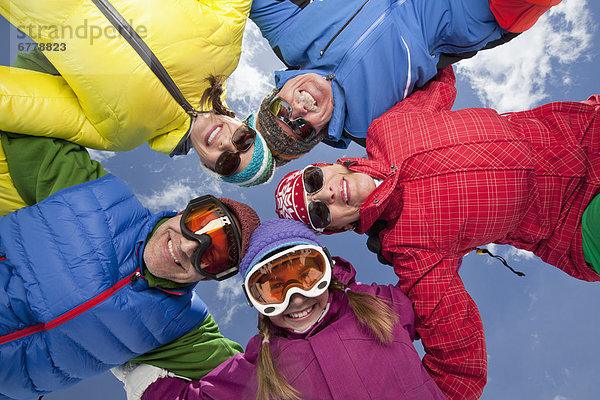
(326, 194)
(225, 144)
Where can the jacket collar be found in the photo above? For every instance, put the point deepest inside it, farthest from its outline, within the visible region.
(386, 200)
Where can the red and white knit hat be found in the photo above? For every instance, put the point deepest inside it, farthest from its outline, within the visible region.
(290, 197)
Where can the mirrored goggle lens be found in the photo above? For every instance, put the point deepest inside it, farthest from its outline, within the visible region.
(318, 214)
(243, 137)
(303, 128)
(283, 111)
(222, 253)
(227, 163)
(280, 108)
(301, 269)
(312, 177)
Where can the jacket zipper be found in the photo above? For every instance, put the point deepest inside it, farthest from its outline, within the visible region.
(343, 27)
(138, 44)
(138, 275)
(73, 313)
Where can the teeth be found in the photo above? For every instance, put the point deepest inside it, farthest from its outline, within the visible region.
(301, 313)
(345, 191)
(214, 134)
(170, 244)
(304, 97)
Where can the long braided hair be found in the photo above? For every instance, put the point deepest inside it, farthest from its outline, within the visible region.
(372, 313)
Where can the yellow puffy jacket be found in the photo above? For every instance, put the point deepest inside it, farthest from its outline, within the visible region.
(107, 97)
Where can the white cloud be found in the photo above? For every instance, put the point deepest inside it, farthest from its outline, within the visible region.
(101, 156)
(515, 76)
(250, 82)
(517, 254)
(176, 195)
(535, 338)
(229, 292)
(559, 397)
(230, 288)
(509, 252)
(533, 299)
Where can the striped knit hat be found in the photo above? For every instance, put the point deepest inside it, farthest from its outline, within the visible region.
(260, 169)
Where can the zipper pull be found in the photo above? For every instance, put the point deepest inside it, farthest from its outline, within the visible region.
(135, 276)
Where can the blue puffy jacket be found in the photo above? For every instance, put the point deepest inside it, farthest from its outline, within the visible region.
(379, 50)
(71, 301)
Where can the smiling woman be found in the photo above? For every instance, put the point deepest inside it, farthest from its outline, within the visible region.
(107, 84)
(454, 180)
(227, 146)
(328, 197)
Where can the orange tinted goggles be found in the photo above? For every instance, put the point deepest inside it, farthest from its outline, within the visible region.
(208, 221)
(304, 269)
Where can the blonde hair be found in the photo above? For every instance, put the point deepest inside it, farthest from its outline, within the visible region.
(372, 313)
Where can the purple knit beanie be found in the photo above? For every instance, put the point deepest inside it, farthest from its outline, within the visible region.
(274, 234)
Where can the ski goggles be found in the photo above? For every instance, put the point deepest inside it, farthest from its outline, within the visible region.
(319, 215)
(304, 269)
(242, 139)
(207, 221)
(282, 110)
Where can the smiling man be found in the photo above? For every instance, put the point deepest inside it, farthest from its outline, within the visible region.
(437, 183)
(92, 279)
(350, 61)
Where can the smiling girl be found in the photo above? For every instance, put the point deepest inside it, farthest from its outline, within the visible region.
(321, 334)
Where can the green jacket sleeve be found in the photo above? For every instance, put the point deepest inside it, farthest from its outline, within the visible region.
(41, 166)
(35, 60)
(194, 354)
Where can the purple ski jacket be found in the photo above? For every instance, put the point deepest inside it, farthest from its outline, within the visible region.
(335, 359)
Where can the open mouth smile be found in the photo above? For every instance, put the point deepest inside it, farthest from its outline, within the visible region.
(344, 192)
(301, 314)
(213, 134)
(306, 99)
(170, 247)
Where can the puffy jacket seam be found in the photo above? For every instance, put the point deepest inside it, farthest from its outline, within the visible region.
(82, 350)
(29, 379)
(67, 15)
(88, 233)
(148, 333)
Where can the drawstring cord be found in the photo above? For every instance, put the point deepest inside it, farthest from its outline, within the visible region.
(502, 260)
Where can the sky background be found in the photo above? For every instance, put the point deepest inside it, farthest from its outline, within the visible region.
(542, 330)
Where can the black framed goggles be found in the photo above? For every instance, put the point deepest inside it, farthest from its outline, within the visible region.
(209, 222)
(318, 212)
(282, 110)
(242, 139)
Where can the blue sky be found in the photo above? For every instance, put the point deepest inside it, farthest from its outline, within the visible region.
(542, 330)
